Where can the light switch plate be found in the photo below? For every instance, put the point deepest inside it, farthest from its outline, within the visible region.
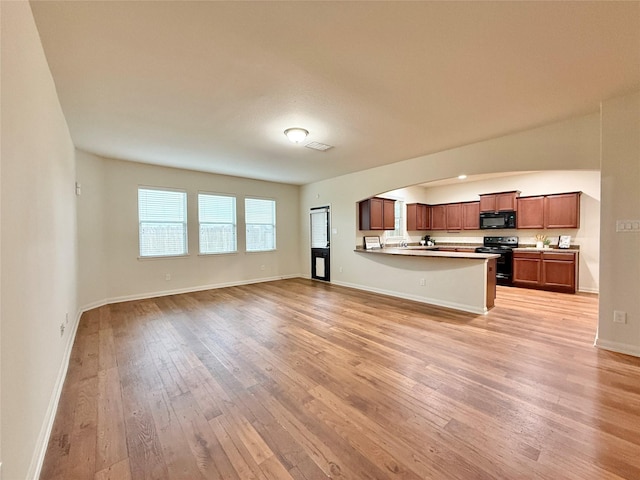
(619, 316)
(627, 226)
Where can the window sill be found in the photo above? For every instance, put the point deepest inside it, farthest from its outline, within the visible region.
(164, 257)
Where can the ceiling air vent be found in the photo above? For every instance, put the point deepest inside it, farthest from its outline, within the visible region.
(318, 146)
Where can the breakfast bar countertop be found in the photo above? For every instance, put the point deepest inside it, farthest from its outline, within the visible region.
(420, 251)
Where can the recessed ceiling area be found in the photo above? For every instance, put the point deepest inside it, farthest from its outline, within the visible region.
(211, 86)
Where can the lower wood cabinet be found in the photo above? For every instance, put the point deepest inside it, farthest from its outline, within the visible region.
(553, 270)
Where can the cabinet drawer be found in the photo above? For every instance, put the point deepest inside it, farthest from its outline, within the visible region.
(534, 255)
(558, 257)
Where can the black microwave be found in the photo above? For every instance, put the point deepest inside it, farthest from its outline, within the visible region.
(497, 220)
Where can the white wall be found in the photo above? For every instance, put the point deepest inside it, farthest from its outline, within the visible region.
(570, 145)
(535, 183)
(38, 256)
(620, 252)
(108, 232)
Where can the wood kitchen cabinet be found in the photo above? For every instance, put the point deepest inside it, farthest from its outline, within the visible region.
(377, 214)
(418, 216)
(560, 210)
(553, 270)
(454, 216)
(530, 212)
(499, 202)
(438, 217)
(471, 216)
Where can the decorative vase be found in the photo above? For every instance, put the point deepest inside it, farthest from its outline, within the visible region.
(539, 245)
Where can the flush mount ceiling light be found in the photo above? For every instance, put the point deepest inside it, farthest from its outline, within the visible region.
(296, 135)
(462, 177)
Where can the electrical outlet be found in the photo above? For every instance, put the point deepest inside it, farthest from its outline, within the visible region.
(619, 316)
(340, 269)
(261, 267)
(167, 276)
(422, 282)
(61, 329)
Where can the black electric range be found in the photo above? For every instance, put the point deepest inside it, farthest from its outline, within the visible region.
(503, 246)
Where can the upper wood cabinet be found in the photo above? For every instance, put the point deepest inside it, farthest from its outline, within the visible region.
(454, 216)
(530, 212)
(560, 210)
(438, 217)
(377, 214)
(418, 216)
(499, 202)
(471, 215)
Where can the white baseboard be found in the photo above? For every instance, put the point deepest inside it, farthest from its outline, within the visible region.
(45, 432)
(588, 290)
(618, 347)
(430, 301)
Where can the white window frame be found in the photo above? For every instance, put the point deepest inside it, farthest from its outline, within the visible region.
(398, 234)
(202, 223)
(148, 222)
(249, 225)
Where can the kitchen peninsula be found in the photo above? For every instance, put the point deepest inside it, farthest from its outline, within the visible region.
(460, 280)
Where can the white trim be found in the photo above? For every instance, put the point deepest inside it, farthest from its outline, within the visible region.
(430, 301)
(164, 293)
(589, 290)
(618, 347)
(45, 432)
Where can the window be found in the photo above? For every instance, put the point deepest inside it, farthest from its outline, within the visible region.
(162, 216)
(260, 219)
(217, 217)
(398, 232)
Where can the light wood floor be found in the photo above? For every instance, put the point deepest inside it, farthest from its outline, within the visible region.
(305, 380)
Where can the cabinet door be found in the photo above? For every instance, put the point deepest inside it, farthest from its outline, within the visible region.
(454, 216)
(488, 203)
(438, 217)
(471, 216)
(530, 212)
(527, 269)
(389, 214)
(375, 213)
(506, 202)
(562, 210)
(427, 217)
(559, 271)
(412, 217)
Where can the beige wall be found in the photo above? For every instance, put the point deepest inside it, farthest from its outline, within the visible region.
(534, 183)
(620, 252)
(38, 253)
(570, 145)
(108, 233)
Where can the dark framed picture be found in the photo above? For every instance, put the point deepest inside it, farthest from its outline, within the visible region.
(564, 241)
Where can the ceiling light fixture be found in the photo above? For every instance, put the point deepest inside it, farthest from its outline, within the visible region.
(296, 135)
(462, 177)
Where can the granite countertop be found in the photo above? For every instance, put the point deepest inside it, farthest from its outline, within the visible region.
(420, 251)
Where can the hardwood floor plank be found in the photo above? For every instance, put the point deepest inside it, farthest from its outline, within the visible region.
(111, 441)
(297, 379)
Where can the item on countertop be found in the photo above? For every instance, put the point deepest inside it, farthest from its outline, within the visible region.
(564, 241)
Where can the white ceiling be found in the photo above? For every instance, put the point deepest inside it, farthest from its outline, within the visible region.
(211, 86)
